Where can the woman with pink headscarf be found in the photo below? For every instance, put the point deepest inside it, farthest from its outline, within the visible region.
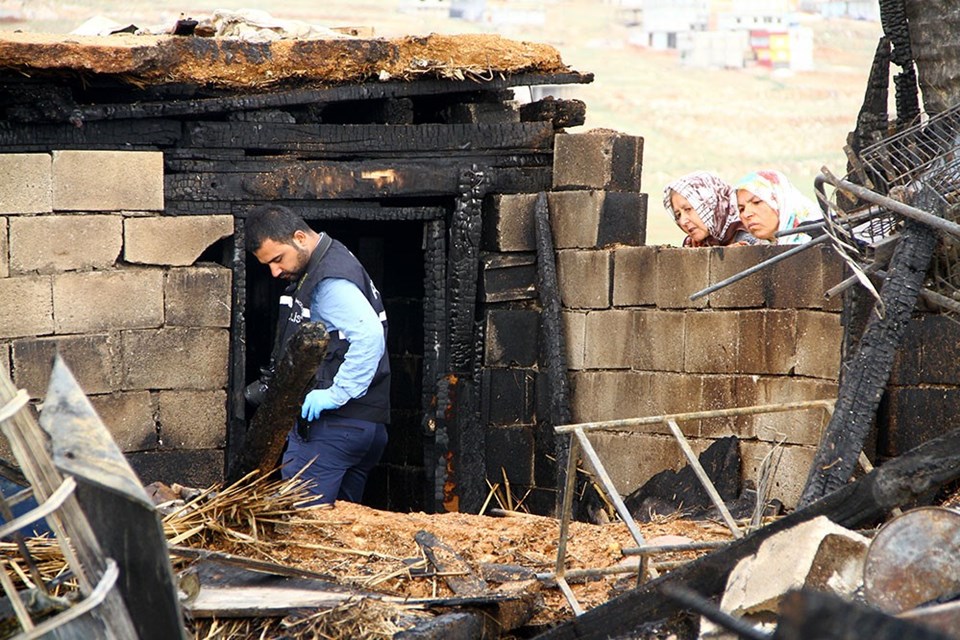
(705, 208)
(768, 203)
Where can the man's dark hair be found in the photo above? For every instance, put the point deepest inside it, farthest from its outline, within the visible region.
(272, 222)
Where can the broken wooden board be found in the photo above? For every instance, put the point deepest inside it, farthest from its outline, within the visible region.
(115, 504)
(896, 483)
(225, 591)
(458, 575)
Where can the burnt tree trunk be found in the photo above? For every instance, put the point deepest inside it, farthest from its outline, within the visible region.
(869, 370)
(276, 416)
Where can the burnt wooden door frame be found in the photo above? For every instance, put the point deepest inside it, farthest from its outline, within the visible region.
(434, 221)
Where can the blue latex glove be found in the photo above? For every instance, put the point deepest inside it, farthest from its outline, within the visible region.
(317, 401)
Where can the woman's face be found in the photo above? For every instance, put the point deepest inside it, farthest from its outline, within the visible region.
(760, 219)
(687, 218)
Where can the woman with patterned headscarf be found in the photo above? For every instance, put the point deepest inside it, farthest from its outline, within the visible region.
(705, 208)
(768, 203)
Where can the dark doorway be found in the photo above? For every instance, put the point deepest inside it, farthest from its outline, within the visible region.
(392, 253)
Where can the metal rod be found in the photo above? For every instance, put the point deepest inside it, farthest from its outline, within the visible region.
(571, 598)
(568, 489)
(760, 266)
(894, 205)
(670, 548)
(854, 218)
(704, 479)
(696, 415)
(932, 297)
(697, 603)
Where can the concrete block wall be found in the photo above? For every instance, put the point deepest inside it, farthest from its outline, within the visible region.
(595, 206)
(638, 346)
(90, 267)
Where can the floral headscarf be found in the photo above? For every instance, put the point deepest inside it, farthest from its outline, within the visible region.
(714, 200)
(792, 207)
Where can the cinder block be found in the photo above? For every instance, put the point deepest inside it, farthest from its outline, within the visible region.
(176, 358)
(632, 459)
(635, 276)
(928, 354)
(724, 392)
(508, 222)
(509, 450)
(107, 180)
(726, 262)
(611, 395)
(819, 336)
(27, 187)
(792, 468)
(767, 341)
(94, 361)
(94, 301)
(575, 218)
(26, 306)
(914, 415)
(711, 342)
(201, 468)
(193, 419)
(198, 296)
(509, 276)
(672, 394)
(609, 340)
(599, 159)
(793, 427)
(659, 338)
(130, 419)
(175, 241)
(512, 337)
(509, 396)
(796, 282)
(584, 278)
(51, 244)
(834, 271)
(623, 219)
(575, 333)
(4, 252)
(681, 273)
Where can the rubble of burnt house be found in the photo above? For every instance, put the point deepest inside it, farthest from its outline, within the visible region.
(512, 258)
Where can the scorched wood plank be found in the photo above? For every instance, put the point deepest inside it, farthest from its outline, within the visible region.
(370, 138)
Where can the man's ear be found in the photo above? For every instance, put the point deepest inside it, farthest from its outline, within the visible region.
(300, 237)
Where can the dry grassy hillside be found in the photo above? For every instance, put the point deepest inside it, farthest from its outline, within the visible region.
(726, 121)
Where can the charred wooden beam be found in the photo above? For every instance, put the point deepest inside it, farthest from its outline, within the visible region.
(280, 99)
(813, 614)
(434, 360)
(272, 421)
(346, 181)
(895, 484)
(371, 140)
(562, 114)
(552, 359)
(125, 134)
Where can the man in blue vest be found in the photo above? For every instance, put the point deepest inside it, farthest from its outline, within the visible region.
(342, 422)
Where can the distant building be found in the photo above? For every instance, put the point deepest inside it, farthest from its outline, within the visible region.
(722, 33)
(857, 9)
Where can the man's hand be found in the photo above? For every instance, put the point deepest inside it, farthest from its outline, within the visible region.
(317, 401)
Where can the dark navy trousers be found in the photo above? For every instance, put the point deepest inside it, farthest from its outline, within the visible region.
(343, 451)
